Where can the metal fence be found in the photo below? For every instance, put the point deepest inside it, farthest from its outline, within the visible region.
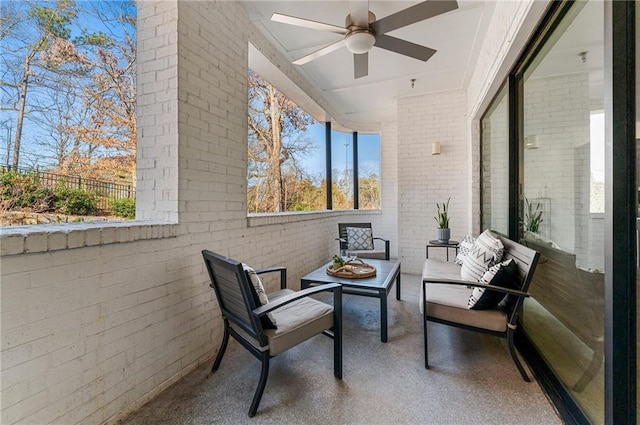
(104, 190)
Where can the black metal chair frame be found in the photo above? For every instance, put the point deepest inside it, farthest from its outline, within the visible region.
(247, 317)
(342, 232)
(526, 260)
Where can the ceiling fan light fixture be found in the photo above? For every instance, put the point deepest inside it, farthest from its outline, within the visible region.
(360, 41)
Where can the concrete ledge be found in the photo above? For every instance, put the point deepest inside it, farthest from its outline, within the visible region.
(52, 237)
(266, 219)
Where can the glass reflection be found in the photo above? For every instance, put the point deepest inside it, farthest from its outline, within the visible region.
(562, 203)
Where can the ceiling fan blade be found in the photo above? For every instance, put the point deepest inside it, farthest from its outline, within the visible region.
(359, 11)
(413, 14)
(404, 47)
(360, 65)
(321, 52)
(307, 23)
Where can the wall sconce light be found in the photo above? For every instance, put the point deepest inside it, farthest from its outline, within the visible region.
(435, 148)
(532, 142)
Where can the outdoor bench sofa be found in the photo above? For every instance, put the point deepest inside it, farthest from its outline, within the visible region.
(446, 296)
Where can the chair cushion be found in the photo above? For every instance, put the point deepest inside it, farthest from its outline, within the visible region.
(260, 296)
(359, 238)
(436, 269)
(487, 250)
(494, 320)
(297, 321)
(502, 274)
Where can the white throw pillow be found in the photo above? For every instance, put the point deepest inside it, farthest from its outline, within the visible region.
(256, 282)
(487, 250)
(464, 248)
(359, 238)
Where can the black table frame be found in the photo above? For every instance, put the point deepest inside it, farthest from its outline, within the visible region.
(379, 286)
(437, 244)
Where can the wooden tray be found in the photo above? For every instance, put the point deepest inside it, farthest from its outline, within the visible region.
(354, 269)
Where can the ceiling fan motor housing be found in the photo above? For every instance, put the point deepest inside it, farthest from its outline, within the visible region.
(360, 41)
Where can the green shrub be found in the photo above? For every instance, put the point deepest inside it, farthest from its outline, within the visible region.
(75, 201)
(125, 207)
(23, 190)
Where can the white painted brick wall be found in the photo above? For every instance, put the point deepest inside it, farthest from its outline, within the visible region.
(424, 179)
(157, 191)
(510, 25)
(386, 224)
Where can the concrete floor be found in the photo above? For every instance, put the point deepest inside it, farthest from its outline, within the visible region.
(472, 379)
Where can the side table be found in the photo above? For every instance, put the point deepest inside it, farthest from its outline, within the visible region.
(447, 245)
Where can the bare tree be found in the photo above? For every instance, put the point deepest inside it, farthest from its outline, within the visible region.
(59, 123)
(76, 92)
(276, 141)
(33, 34)
(111, 96)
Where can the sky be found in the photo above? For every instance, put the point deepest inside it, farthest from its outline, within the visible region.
(341, 155)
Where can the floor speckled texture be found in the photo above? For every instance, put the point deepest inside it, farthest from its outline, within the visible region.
(472, 379)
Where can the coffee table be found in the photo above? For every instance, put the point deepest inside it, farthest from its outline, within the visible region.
(379, 286)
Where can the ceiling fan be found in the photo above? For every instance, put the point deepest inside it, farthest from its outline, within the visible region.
(362, 31)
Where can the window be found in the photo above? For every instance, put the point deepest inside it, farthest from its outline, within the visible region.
(495, 165)
(597, 162)
(287, 154)
(368, 171)
(342, 170)
(284, 144)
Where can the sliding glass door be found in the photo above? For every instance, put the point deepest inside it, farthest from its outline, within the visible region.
(563, 202)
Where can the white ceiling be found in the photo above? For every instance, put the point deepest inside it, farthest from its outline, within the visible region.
(456, 35)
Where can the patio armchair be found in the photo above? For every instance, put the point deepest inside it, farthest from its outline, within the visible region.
(267, 325)
(361, 240)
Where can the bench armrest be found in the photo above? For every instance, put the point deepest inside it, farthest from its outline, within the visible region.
(476, 285)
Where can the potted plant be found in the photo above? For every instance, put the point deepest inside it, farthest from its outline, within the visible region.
(442, 218)
(532, 216)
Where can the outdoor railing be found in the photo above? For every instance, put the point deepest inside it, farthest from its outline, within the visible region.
(103, 189)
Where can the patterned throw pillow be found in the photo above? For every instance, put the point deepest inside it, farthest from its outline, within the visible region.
(259, 294)
(502, 274)
(486, 251)
(464, 248)
(359, 238)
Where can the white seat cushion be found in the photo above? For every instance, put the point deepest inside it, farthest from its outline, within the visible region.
(297, 321)
(449, 302)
